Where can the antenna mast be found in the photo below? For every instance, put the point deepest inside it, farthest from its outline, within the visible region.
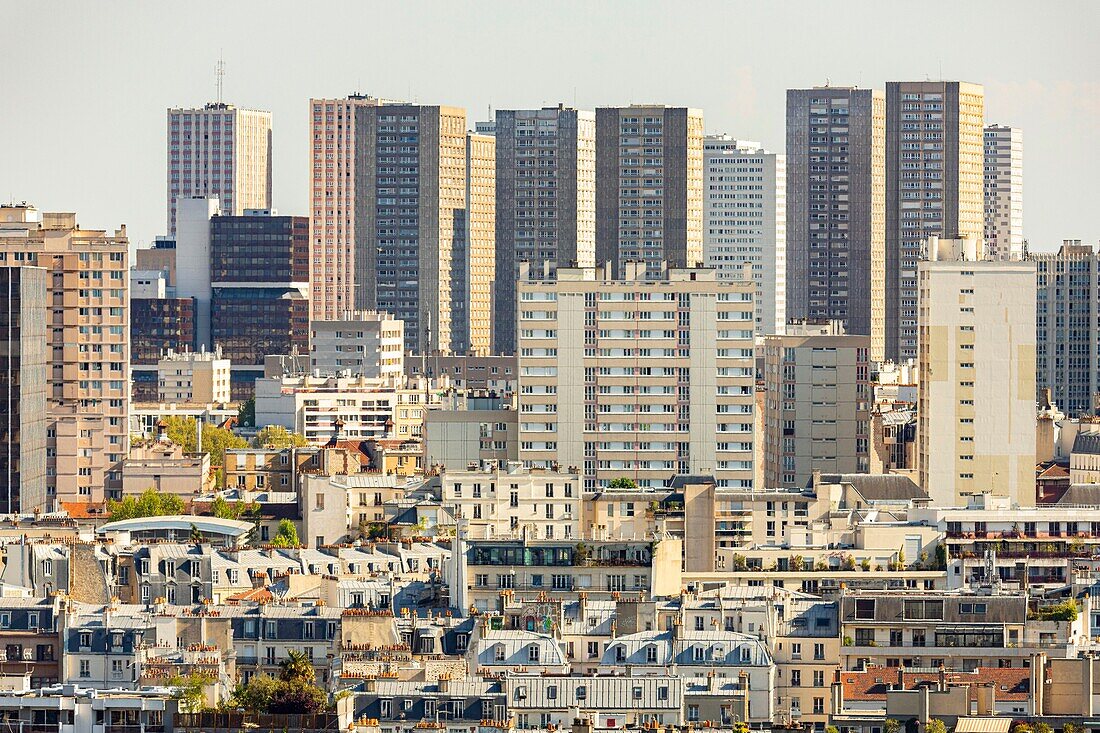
(219, 76)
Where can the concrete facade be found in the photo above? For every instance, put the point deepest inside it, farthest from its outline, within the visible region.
(745, 221)
(546, 201)
(976, 406)
(193, 378)
(475, 259)
(1067, 322)
(836, 209)
(638, 378)
(222, 151)
(934, 187)
(366, 344)
(1004, 192)
(649, 187)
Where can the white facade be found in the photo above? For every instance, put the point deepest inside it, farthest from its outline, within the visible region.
(193, 378)
(365, 344)
(312, 406)
(514, 502)
(639, 379)
(745, 221)
(976, 429)
(1004, 192)
(220, 151)
(193, 259)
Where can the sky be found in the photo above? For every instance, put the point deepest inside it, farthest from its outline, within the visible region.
(85, 85)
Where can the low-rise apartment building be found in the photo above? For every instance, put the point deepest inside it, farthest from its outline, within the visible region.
(514, 502)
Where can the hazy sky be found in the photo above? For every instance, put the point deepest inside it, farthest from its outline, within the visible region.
(85, 85)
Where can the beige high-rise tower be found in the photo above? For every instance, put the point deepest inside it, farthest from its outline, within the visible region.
(976, 408)
(649, 186)
(221, 151)
(934, 187)
(88, 337)
(474, 324)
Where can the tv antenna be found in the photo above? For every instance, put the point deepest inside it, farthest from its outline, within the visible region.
(219, 76)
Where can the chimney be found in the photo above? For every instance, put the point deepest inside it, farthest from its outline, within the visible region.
(743, 683)
(444, 683)
(838, 694)
(582, 725)
(987, 698)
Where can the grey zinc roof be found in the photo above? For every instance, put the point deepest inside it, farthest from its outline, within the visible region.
(878, 487)
(1088, 443)
(1079, 494)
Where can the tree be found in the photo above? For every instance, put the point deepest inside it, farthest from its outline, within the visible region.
(148, 504)
(622, 483)
(256, 694)
(1022, 727)
(222, 509)
(278, 437)
(246, 415)
(286, 535)
(1071, 728)
(295, 690)
(196, 535)
(215, 441)
(935, 725)
(190, 691)
(1041, 727)
(891, 726)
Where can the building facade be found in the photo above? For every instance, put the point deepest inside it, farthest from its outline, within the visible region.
(546, 200)
(1004, 192)
(219, 150)
(649, 187)
(259, 277)
(1067, 322)
(88, 346)
(817, 410)
(197, 377)
(410, 192)
(365, 344)
(976, 405)
(23, 359)
(934, 187)
(637, 378)
(475, 262)
(836, 209)
(157, 325)
(745, 221)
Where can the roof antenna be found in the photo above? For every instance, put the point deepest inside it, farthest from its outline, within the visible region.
(219, 75)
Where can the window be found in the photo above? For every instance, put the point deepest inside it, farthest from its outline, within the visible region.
(636, 693)
(865, 609)
(651, 654)
(85, 668)
(533, 653)
(819, 706)
(85, 639)
(693, 713)
(499, 653)
(920, 610)
(593, 650)
(796, 678)
(582, 692)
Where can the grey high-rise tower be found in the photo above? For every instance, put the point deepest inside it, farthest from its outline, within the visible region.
(546, 201)
(836, 189)
(649, 187)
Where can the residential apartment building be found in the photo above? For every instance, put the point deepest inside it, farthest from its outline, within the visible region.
(259, 280)
(222, 151)
(474, 263)
(1067, 322)
(745, 221)
(836, 209)
(200, 377)
(638, 377)
(333, 193)
(24, 304)
(511, 502)
(976, 405)
(546, 201)
(817, 409)
(88, 345)
(649, 187)
(1004, 192)
(494, 374)
(934, 187)
(363, 343)
(410, 192)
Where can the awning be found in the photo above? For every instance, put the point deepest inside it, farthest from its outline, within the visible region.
(983, 725)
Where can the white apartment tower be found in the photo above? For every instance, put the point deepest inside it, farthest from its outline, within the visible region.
(219, 151)
(363, 344)
(546, 201)
(976, 404)
(637, 378)
(745, 221)
(1004, 192)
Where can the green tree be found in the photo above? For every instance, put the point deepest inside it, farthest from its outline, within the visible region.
(215, 441)
(246, 415)
(935, 725)
(295, 690)
(276, 436)
(148, 504)
(286, 535)
(1041, 727)
(196, 535)
(891, 726)
(1022, 727)
(622, 483)
(190, 691)
(256, 694)
(1071, 728)
(222, 509)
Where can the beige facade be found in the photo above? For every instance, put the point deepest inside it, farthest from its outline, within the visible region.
(817, 414)
(480, 247)
(88, 390)
(163, 466)
(513, 502)
(976, 424)
(1004, 192)
(934, 187)
(362, 343)
(193, 378)
(220, 151)
(649, 187)
(635, 378)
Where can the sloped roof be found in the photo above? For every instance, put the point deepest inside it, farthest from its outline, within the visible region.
(879, 486)
(1088, 443)
(1078, 494)
(1012, 683)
